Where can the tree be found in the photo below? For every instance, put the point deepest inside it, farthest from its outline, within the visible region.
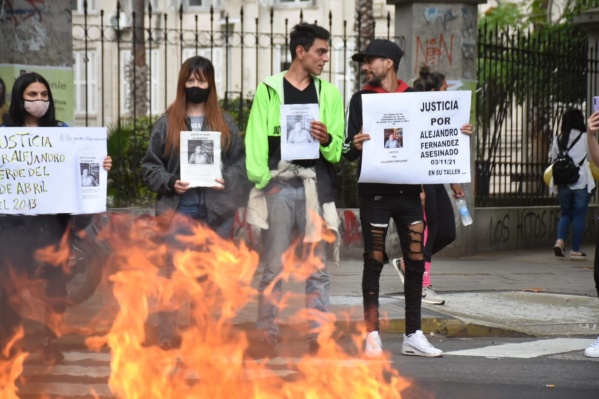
(138, 70)
(526, 62)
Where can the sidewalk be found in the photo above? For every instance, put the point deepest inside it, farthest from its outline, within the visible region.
(527, 292)
(516, 293)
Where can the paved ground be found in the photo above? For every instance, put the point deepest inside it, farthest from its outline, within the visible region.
(528, 294)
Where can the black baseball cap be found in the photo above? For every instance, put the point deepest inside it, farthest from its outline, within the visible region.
(380, 48)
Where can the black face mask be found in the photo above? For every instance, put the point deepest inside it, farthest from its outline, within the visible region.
(196, 95)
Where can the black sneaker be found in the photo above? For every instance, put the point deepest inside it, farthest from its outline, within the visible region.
(51, 354)
(265, 348)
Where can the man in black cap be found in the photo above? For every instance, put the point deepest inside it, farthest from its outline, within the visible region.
(379, 203)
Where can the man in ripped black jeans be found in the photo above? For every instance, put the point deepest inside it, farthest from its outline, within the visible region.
(381, 202)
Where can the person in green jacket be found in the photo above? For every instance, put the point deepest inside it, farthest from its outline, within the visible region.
(288, 194)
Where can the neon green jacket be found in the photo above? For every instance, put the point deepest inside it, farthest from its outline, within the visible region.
(264, 125)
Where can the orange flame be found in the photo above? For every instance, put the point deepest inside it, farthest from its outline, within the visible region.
(216, 276)
(11, 366)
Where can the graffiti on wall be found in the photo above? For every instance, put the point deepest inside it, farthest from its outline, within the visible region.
(17, 11)
(442, 15)
(435, 50)
(530, 226)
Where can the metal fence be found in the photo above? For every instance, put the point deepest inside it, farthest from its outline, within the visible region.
(526, 81)
(226, 47)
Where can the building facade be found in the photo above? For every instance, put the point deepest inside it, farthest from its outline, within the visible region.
(245, 40)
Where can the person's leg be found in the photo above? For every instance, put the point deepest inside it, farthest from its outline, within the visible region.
(566, 204)
(596, 262)
(275, 241)
(579, 212)
(409, 219)
(181, 224)
(318, 282)
(56, 291)
(374, 218)
(410, 227)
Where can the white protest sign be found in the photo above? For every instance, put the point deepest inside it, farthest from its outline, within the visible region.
(52, 170)
(415, 138)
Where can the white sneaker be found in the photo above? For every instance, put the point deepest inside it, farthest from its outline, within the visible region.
(593, 350)
(373, 347)
(430, 296)
(397, 265)
(417, 345)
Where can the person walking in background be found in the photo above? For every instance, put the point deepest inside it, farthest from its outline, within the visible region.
(593, 148)
(573, 198)
(440, 228)
(381, 202)
(196, 105)
(297, 190)
(32, 105)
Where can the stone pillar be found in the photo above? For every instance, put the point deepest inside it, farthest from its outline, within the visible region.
(589, 22)
(443, 35)
(37, 36)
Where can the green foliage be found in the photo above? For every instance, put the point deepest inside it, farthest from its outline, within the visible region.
(504, 15)
(127, 145)
(239, 108)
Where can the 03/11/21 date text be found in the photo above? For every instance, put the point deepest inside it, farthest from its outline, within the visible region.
(442, 161)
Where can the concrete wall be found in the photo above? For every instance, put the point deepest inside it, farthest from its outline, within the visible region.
(36, 33)
(494, 229)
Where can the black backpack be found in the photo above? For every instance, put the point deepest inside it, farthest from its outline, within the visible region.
(565, 171)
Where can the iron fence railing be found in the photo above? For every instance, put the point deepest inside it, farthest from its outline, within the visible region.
(526, 80)
(228, 49)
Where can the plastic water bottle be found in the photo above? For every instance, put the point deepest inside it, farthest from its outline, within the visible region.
(463, 209)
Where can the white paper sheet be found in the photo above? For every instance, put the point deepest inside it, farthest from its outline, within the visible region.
(296, 137)
(41, 170)
(200, 158)
(415, 138)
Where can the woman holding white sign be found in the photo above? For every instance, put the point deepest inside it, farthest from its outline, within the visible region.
(196, 108)
(32, 105)
(440, 228)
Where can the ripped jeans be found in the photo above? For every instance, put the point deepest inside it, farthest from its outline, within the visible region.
(375, 214)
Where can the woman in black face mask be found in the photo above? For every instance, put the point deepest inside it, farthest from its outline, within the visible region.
(196, 107)
(21, 236)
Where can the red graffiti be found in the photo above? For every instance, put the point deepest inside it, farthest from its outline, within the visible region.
(434, 51)
(352, 230)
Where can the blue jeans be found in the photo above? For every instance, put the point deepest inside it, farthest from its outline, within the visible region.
(167, 320)
(574, 204)
(287, 209)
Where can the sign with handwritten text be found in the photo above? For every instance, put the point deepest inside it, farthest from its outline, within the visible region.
(52, 170)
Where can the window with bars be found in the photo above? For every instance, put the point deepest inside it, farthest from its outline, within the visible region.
(81, 62)
(298, 3)
(78, 6)
(156, 105)
(201, 4)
